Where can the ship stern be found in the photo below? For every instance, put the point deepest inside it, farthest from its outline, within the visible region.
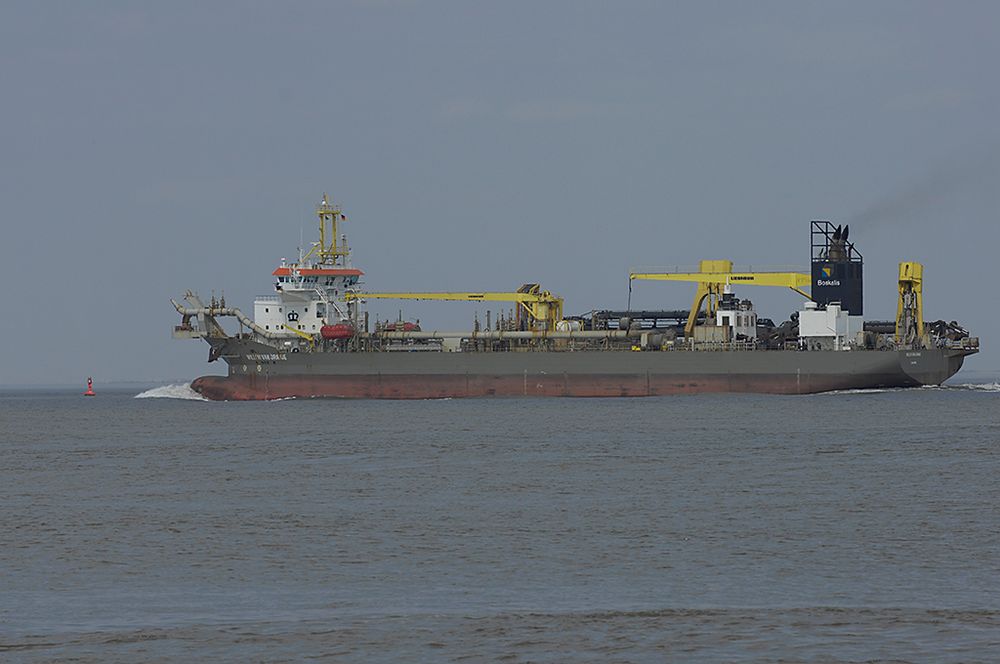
(933, 366)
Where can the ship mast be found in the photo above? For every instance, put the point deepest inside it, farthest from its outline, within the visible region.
(332, 252)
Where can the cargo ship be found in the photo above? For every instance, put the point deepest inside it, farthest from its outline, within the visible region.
(312, 336)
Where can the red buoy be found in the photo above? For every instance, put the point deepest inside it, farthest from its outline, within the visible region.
(90, 388)
(338, 331)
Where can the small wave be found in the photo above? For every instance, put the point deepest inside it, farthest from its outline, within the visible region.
(177, 391)
(978, 387)
(971, 387)
(860, 390)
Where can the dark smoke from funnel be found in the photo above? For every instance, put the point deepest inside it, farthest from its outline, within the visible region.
(975, 176)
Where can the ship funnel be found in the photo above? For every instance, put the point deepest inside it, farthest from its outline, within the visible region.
(837, 268)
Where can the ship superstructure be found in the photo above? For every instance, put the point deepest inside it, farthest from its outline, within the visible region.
(312, 337)
(311, 294)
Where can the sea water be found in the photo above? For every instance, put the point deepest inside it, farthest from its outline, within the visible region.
(834, 527)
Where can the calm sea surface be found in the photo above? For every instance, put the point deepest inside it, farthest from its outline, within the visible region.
(840, 527)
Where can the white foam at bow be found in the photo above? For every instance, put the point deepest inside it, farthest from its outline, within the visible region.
(178, 391)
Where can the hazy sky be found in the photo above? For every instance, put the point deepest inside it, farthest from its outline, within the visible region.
(150, 148)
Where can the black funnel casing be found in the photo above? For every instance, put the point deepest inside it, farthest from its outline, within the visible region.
(837, 268)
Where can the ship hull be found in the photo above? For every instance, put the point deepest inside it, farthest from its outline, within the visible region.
(256, 373)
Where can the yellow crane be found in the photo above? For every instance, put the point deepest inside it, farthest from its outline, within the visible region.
(713, 276)
(910, 308)
(304, 335)
(539, 306)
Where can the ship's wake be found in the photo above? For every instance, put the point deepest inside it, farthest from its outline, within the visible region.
(978, 387)
(961, 387)
(859, 390)
(176, 391)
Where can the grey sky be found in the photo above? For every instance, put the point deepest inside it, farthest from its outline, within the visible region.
(149, 148)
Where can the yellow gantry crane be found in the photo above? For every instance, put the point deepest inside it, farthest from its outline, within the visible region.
(540, 307)
(713, 276)
(910, 308)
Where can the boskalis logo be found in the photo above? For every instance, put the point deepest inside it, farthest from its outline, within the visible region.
(827, 273)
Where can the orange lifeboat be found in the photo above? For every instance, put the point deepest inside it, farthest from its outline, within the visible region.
(338, 331)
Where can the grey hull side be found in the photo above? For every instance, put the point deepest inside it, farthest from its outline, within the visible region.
(256, 371)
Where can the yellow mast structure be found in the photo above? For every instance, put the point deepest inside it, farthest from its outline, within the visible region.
(540, 306)
(910, 307)
(329, 252)
(712, 278)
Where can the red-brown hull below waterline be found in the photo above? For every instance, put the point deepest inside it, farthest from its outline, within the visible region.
(237, 388)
